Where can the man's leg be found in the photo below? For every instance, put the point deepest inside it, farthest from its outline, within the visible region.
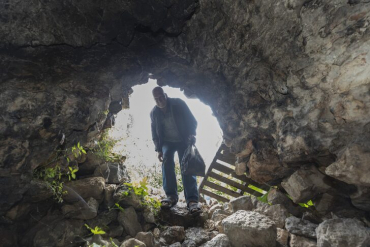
(190, 182)
(168, 171)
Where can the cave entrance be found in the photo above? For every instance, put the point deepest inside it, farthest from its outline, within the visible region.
(132, 134)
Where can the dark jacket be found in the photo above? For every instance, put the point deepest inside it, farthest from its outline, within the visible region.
(184, 119)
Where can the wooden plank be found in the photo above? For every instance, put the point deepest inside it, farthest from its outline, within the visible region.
(220, 188)
(228, 160)
(231, 172)
(213, 195)
(234, 184)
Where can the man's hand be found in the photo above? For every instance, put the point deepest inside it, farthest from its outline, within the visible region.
(160, 156)
(191, 139)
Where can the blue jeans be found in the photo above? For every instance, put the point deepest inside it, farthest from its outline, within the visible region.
(169, 176)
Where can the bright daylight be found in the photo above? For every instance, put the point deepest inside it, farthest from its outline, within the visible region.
(133, 133)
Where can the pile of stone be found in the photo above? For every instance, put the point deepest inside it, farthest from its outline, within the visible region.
(248, 222)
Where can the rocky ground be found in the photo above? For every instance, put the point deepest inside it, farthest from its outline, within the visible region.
(103, 208)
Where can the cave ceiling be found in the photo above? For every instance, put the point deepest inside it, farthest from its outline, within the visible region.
(291, 76)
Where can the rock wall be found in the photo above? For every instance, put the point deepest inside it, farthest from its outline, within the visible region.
(288, 81)
(297, 85)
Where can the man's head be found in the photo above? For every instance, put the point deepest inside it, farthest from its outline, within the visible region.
(160, 97)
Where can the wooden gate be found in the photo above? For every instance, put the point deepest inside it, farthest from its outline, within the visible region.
(221, 177)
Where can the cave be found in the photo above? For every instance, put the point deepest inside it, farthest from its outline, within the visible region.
(288, 82)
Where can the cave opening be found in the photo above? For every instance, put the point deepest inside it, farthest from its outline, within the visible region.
(133, 139)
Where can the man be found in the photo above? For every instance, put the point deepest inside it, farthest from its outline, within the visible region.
(173, 129)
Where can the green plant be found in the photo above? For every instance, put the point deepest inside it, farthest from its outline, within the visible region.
(117, 207)
(72, 172)
(77, 150)
(141, 190)
(113, 243)
(96, 231)
(307, 204)
(104, 148)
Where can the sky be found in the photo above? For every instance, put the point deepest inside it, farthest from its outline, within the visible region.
(133, 132)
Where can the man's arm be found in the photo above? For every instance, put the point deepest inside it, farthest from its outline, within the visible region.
(155, 137)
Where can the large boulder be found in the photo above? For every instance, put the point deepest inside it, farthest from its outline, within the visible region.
(83, 210)
(146, 237)
(343, 233)
(277, 213)
(58, 232)
(243, 203)
(129, 220)
(282, 236)
(352, 166)
(113, 173)
(90, 165)
(221, 240)
(213, 209)
(219, 214)
(179, 216)
(245, 228)
(277, 197)
(173, 234)
(300, 227)
(85, 188)
(305, 184)
(299, 241)
(132, 242)
(196, 235)
(361, 198)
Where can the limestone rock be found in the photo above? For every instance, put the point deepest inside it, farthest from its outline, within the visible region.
(277, 213)
(128, 219)
(19, 211)
(326, 203)
(276, 197)
(242, 203)
(132, 242)
(299, 241)
(173, 234)
(352, 166)
(219, 214)
(104, 218)
(300, 227)
(266, 166)
(305, 184)
(113, 173)
(177, 244)
(188, 243)
(282, 236)
(83, 210)
(146, 237)
(149, 216)
(221, 240)
(250, 229)
(115, 231)
(213, 208)
(197, 235)
(108, 195)
(58, 232)
(85, 188)
(90, 165)
(126, 198)
(342, 233)
(179, 216)
(361, 198)
(38, 191)
(240, 168)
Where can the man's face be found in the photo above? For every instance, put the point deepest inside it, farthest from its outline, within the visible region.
(160, 99)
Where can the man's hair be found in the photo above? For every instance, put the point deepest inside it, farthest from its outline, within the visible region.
(158, 89)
